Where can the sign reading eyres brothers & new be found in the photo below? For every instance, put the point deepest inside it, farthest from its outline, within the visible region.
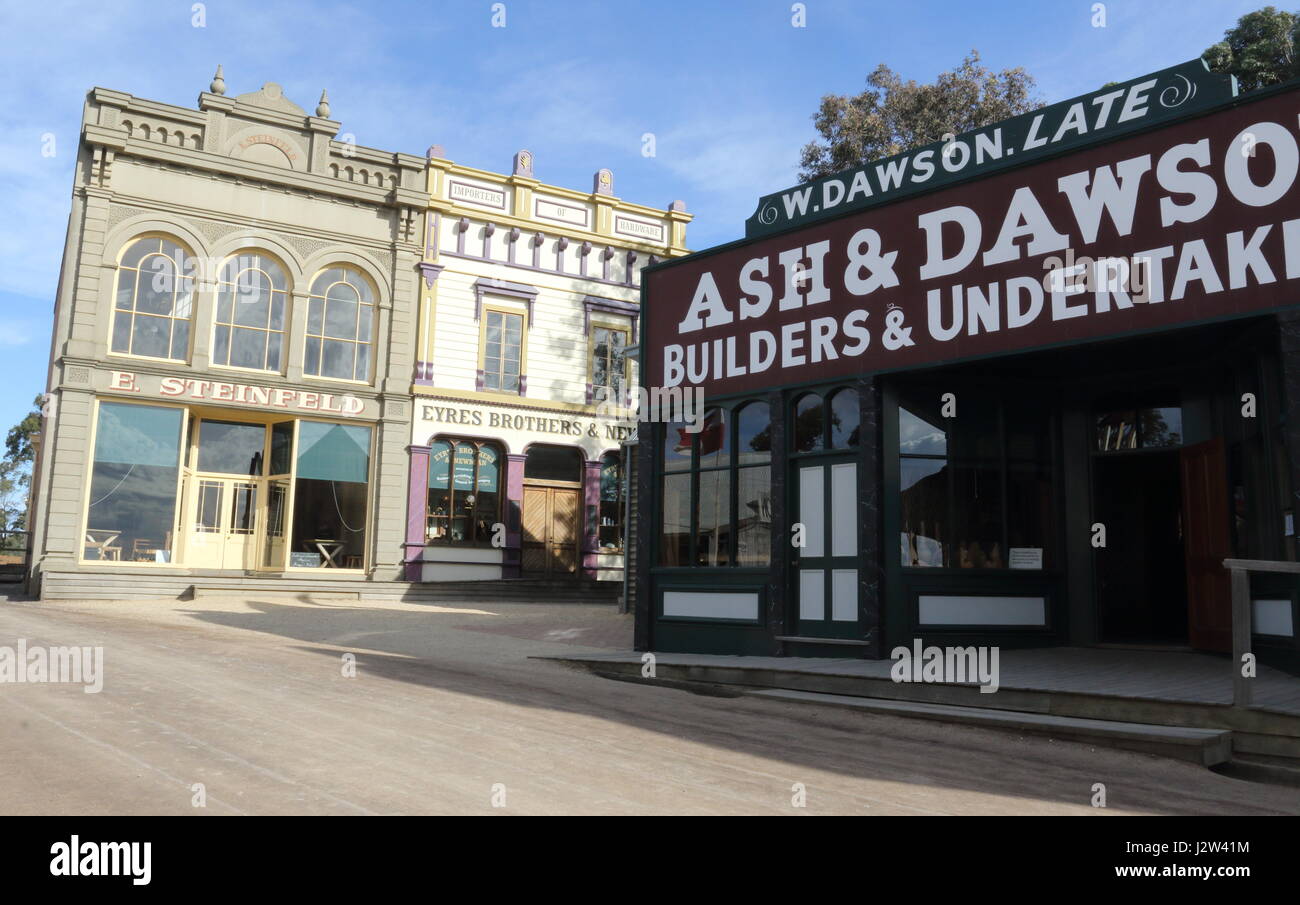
(1206, 210)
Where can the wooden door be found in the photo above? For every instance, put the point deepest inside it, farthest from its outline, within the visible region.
(1205, 540)
(550, 530)
(826, 566)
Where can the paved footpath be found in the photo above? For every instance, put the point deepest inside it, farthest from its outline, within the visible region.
(248, 697)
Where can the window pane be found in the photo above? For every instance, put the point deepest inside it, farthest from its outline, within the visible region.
(714, 514)
(845, 418)
(316, 316)
(715, 439)
(340, 318)
(809, 423)
(274, 343)
(924, 511)
(333, 452)
(126, 289)
(180, 339)
(221, 346)
(311, 356)
(362, 371)
(675, 545)
(977, 491)
(253, 299)
(122, 332)
(553, 463)
(677, 446)
(248, 348)
(1161, 426)
(132, 506)
(337, 360)
(754, 429)
(281, 447)
(1029, 509)
(921, 434)
(152, 336)
(228, 447)
(754, 516)
(138, 249)
(156, 286)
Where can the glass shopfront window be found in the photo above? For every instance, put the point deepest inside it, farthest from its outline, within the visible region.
(331, 496)
(716, 490)
(131, 512)
(610, 532)
(464, 502)
(976, 491)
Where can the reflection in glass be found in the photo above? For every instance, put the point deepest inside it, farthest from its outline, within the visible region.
(809, 423)
(132, 506)
(714, 513)
(714, 439)
(229, 447)
(675, 542)
(924, 511)
(754, 515)
(846, 419)
(918, 436)
(330, 494)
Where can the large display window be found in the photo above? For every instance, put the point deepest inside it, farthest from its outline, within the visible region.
(464, 500)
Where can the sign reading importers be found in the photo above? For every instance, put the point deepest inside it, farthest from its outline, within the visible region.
(1207, 210)
(476, 194)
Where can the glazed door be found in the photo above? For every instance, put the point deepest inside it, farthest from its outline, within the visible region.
(1203, 469)
(550, 530)
(224, 516)
(826, 566)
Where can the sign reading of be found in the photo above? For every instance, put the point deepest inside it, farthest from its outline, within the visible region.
(1204, 209)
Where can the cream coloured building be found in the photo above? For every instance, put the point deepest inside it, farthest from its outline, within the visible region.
(230, 373)
(529, 307)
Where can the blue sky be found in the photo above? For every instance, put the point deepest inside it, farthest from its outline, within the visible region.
(727, 88)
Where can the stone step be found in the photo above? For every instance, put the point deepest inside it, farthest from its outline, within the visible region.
(1207, 747)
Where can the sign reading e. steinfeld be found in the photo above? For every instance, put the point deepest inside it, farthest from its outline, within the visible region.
(1109, 112)
(1204, 213)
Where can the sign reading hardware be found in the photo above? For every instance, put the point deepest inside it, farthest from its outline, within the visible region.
(1204, 214)
(1108, 112)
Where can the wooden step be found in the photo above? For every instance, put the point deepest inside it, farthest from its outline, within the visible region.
(1207, 747)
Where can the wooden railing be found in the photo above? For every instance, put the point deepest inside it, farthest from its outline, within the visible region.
(1241, 616)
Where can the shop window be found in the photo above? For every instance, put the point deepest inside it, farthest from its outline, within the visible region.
(340, 326)
(154, 300)
(609, 365)
(229, 447)
(331, 495)
(610, 530)
(252, 297)
(502, 351)
(464, 502)
(716, 490)
(1142, 428)
(131, 513)
(975, 492)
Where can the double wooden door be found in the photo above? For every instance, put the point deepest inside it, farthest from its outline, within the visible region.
(551, 530)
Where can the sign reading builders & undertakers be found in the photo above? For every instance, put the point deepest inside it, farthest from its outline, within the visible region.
(1191, 222)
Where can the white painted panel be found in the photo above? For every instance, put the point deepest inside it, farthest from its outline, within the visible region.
(811, 512)
(975, 610)
(812, 593)
(1272, 617)
(844, 505)
(711, 605)
(844, 595)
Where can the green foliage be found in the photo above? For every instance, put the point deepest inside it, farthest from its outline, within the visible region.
(1259, 50)
(893, 115)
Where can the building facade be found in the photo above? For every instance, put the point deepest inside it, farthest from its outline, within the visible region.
(1030, 387)
(229, 379)
(529, 315)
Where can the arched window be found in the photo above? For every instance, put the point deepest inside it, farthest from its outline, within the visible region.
(252, 294)
(809, 423)
(846, 419)
(464, 503)
(154, 300)
(340, 325)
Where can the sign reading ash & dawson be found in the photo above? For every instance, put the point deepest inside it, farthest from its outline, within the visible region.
(1205, 210)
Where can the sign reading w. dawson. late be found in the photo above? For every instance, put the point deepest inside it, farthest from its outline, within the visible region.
(1196, 221)
(1109, 112)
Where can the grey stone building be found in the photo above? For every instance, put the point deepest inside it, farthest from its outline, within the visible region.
(230, 368)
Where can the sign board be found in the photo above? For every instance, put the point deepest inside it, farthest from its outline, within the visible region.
(1202, 216)
(303, 560)
(1109, 112)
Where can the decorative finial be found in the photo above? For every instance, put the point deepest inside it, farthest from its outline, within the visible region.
(524, 163)
(678, 205)
(218, 85)
(323, 108)
(435, 152)
(603, 182)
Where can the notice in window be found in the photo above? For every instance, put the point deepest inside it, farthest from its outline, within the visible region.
(1026, 558)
